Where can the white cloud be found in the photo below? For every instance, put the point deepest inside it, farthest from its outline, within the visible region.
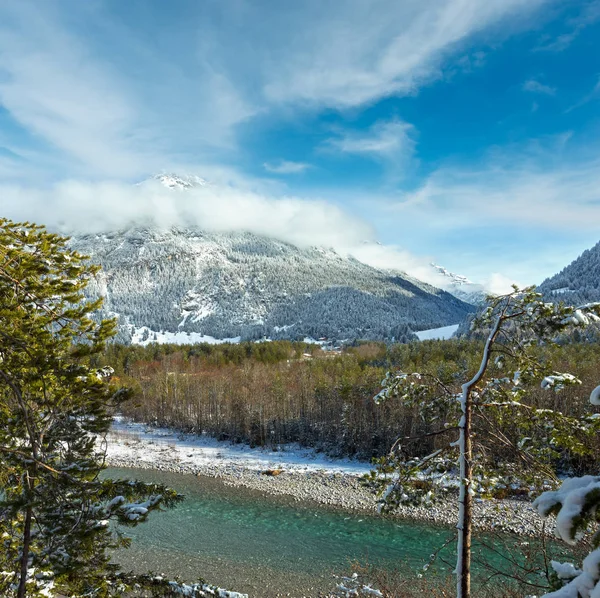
(392, 257)
(393, 140)
(74, 207)
(592, 95)
(536, 87)
(545, 185)
(498, 284)
(286, 167)
(350, 53)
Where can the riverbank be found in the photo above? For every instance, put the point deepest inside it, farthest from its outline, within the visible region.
(299, 473)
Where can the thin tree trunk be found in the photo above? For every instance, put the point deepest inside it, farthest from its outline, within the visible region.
(465, 497)
(25, 555)
(465, 500)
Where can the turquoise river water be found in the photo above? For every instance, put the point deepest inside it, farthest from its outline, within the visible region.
(267, 546)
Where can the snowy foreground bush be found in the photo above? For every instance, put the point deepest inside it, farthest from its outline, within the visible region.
(349, 587)
(575, 505)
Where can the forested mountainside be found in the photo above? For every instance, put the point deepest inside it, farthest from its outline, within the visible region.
(579, 282)
(226, 285)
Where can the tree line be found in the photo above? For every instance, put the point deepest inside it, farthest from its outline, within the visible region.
(281, 392)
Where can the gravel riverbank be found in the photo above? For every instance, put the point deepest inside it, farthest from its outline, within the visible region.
(329, 485)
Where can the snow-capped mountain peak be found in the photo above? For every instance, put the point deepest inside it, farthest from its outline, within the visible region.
(181, 183)
(458, 279)
(460, 286)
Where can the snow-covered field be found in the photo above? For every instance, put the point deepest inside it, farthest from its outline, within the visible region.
(437, 333)
(150, 445)
(144, 336)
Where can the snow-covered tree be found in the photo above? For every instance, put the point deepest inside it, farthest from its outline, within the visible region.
(575, 505)
(56, 511)
(474, 421)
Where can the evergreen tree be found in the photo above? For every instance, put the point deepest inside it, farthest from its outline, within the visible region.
(55, 407)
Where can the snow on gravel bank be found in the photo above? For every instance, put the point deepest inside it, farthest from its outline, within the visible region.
(149, 445)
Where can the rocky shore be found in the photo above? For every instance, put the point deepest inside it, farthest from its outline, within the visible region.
(333, 488)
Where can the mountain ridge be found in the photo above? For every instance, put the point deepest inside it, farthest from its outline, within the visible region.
(578, 282)
(246, 286)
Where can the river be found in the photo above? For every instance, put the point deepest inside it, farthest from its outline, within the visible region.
(267, 545)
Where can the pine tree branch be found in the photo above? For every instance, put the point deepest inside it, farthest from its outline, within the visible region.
(399, 441)
(6, 449)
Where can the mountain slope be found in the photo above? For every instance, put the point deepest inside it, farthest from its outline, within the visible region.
(579, 282)
(243, 285)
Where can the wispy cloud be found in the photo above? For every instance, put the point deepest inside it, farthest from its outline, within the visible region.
(56, 92)
(534, 86)
(350, 56)
(590, 14)
(286, 167)
(92, 109)
(588, 97)
(392, 142)
(519, 188)
(157, 95)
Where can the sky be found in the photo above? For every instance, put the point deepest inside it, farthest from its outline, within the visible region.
(464, 132)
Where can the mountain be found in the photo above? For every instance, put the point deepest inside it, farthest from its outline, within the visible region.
(181, 183)
(579, 282)
(188, 284)
(460, 286)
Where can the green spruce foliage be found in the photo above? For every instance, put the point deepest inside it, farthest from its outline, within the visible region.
(58, 516)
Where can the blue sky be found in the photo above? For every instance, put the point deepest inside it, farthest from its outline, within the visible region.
(460, 131)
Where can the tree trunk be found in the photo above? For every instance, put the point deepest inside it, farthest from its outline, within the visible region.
(465, 498)
(25, 556)
(463, 561)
